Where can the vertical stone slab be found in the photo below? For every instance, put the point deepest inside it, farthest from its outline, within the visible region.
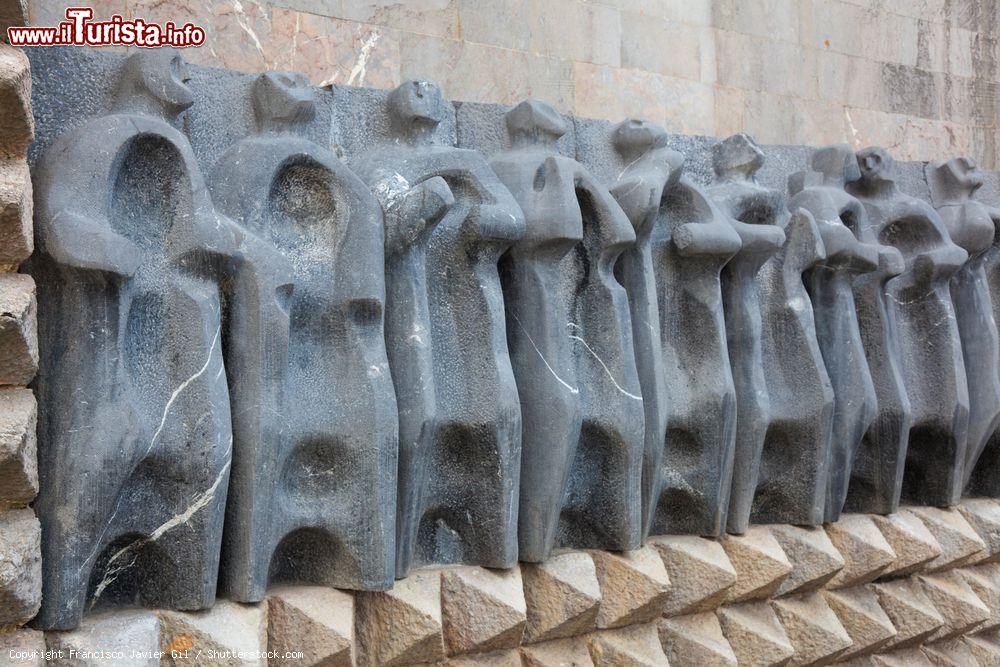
(923, 316)
(830, 283)
(131, 387)
(570, 332)
(754, 212)
(314, 411)
(448, 221)
(972, 225)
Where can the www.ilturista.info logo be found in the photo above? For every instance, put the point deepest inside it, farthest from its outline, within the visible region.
(79, 30)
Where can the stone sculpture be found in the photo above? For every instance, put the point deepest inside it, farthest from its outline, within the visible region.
(923, 317)
(448, 221)
(756, 214)
(691, 241)
(838, 216)
(570, 338)
(314, 411)
(973, 225)
(134, 420)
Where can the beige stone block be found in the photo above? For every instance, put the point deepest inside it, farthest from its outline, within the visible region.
(912, 613)
(728, 111)
(228, 628)
(700, 573)
(771, 19)
(643, 38)
(755, 634)
(863, 618)
(984, 580)
(984, 649)
(316, 620)
(22, 648)
(507, 658)
(17, 125)
(983, 514)
(18, 447)
(121, 631)
(634, 646)
(563, 597)
(866, 552)
(18, 329)
(695, 639)
(909, 657)
(958, 604)
(813, 629)
(769, 118)
(634, 586)
(812, 555)
(20, 566)
(959, 542)
(950, 653)
(690, 12)
(482, 610)
(932, 45)
(960, 52)
(852, 30)
(16, 240)
(401, 626)
(571, 652)
(867, 127)
(849, 80)
(429, 17)
(818, 123)
(758, 63)
(913, 543)
(760, 563)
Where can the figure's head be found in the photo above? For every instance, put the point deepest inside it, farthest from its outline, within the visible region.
(416, 106)
(282, 99)
(738, 155)
(155, 80)
(965, 172)
(534, 121)
(634, 136)
(953, 181)
(876, 165)
(836, 163)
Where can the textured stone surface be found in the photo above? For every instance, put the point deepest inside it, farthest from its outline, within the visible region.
(574, 652)
(814, 558)
(16, 240)
(696, 639)
(17, 126)
(912, 613)
(863, 618)
(915, 546)
(18, 461)
(700, 573)
(635, 646)
(228, 628)
(866, 552)
(401, 626)
(563, 597)
(18, 329)
(984, 580)
(123, 632)
(756, 635)
(813, 629)
(634, 586)
(959, 542)
(23, 648)
(984, 516)
(950, 653)
(315, 620)
(760, 563)
(482, 610)
(958, 604)
(20, 566)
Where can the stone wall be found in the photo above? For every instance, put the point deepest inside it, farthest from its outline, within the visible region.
(917, 77)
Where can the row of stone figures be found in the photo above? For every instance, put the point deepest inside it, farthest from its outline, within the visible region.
(234, 392)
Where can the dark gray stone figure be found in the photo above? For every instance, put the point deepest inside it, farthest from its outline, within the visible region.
(755, 213)
(923, 318)
(791, 484)
(570, 338)
(838, 216)
(448, 221)
(314, 411)
(134, 428)
(638, 190)
(690, 242)
(973, 225)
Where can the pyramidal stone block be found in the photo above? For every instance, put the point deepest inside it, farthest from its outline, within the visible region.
(634, 646)
(695, 639)
(18, 450)
(984, 580)
(912, 613)
(111, 632)
(760, 563)
(18, 329)
(863, 618)
(755, 634)
(401, 626)
(960, 545)
(983, 514)
(985, 649)
(958, 604)
(563, 597)
(700, 573)
(482, 610)
(866, 552)
(908, 657)
(573, 651)
(634, 586)
(813, 629)
(228, 627)
(909, 537)
(316, 620)
(812, 555)
(23, 647)
(950, 653)
(507, 658)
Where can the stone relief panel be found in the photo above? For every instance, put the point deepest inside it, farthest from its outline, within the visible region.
(921, 308)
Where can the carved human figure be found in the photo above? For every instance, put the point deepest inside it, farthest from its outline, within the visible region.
(755, 213)
(134, 419)
(314, 474)
(570, 338)
(923, 317)
(638, 190)
(973, 226)
(690, 242)
(831, 289)
(448, 221)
